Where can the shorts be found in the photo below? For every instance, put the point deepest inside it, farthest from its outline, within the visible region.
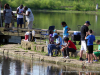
(97, 53)
(83, 45)
(90, 49)
(19, 21)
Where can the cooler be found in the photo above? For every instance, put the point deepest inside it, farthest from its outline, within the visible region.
(76, 36)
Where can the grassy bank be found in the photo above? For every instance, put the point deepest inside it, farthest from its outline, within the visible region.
(79, 5)
(69, 11)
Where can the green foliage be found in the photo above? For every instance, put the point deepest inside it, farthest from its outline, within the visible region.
(84, 5)
(77, 7)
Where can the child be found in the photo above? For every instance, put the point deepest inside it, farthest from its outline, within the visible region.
(90, 39)
(65, 30)
(70, 47)
(96, 54)
(51, 39)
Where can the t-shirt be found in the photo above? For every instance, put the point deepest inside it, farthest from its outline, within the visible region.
(30, 17)
(90, 39)
(20, 11)
(97, 53)
(51, 38)
(59, 40)
(84, 29)
(72, 45)
(65, 29)
(98, 47)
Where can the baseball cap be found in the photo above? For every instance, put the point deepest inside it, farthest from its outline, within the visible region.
(88, 22)
(54, 34)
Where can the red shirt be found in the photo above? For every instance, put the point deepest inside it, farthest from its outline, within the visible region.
(72, 45)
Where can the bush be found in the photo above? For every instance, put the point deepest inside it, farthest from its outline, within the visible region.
(77, 7)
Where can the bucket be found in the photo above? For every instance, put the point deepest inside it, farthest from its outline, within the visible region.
(26, 35)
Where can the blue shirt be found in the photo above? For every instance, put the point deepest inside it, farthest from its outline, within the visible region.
(65, 29)
(90, 39)
(59, 40)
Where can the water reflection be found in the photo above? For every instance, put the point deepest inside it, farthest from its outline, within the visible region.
(45, 19)
(9, 66)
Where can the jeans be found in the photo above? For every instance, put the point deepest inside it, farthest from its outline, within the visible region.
(67, 50)
(51, 47)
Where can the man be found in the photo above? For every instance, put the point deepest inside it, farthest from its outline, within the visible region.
(84, 30)
(57, 45)
(20, 16)
(29, 17)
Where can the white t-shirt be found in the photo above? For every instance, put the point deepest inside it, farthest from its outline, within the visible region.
(30, 17)
(20, 11)
(59, 40)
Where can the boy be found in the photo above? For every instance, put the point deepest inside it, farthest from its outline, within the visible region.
(65, 30)
(70, 47)
(96, 54)
(90, 39)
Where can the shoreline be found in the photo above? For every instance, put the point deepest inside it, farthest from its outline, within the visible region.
(16, 51)
(69, 11)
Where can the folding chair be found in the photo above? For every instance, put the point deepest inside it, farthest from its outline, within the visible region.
(45, 32)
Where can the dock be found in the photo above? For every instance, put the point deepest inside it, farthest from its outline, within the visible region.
(6, 33)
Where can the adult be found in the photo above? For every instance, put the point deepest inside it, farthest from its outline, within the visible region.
(29, 17)
(7, 15)
(57, 45)
(69, 47)
(20, 16)
(84, 30)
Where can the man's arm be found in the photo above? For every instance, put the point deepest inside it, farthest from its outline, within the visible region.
(18, 13)
(27, 14)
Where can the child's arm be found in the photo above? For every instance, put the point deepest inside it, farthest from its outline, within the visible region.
(68, 29)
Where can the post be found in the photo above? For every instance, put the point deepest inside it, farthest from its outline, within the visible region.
(0, 16)
(24, 21)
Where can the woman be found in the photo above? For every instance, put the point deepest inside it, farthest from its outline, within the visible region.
(7, 15)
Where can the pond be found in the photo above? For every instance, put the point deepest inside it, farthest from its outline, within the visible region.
(18, 66)
(45, 19)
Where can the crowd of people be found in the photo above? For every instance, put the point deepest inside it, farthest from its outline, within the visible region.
(66, 45)
(21, 11)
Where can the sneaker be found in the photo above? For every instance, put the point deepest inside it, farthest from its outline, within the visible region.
(86, 62)
(95, 60)
(86, 59)
(62, 57)
(81, 59)
(47, 54)
(67, 57)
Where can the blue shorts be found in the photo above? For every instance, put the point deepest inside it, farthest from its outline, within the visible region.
(19, 21)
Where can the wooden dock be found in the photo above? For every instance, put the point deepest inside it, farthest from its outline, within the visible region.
(6, 33)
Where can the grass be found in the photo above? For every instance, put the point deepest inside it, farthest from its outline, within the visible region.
(1, 45)
(77, 57)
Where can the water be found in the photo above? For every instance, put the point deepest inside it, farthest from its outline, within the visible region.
(46, 19)
(17, 66)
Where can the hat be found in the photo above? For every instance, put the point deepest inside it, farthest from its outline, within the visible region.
(88, 22)
(54, 34)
